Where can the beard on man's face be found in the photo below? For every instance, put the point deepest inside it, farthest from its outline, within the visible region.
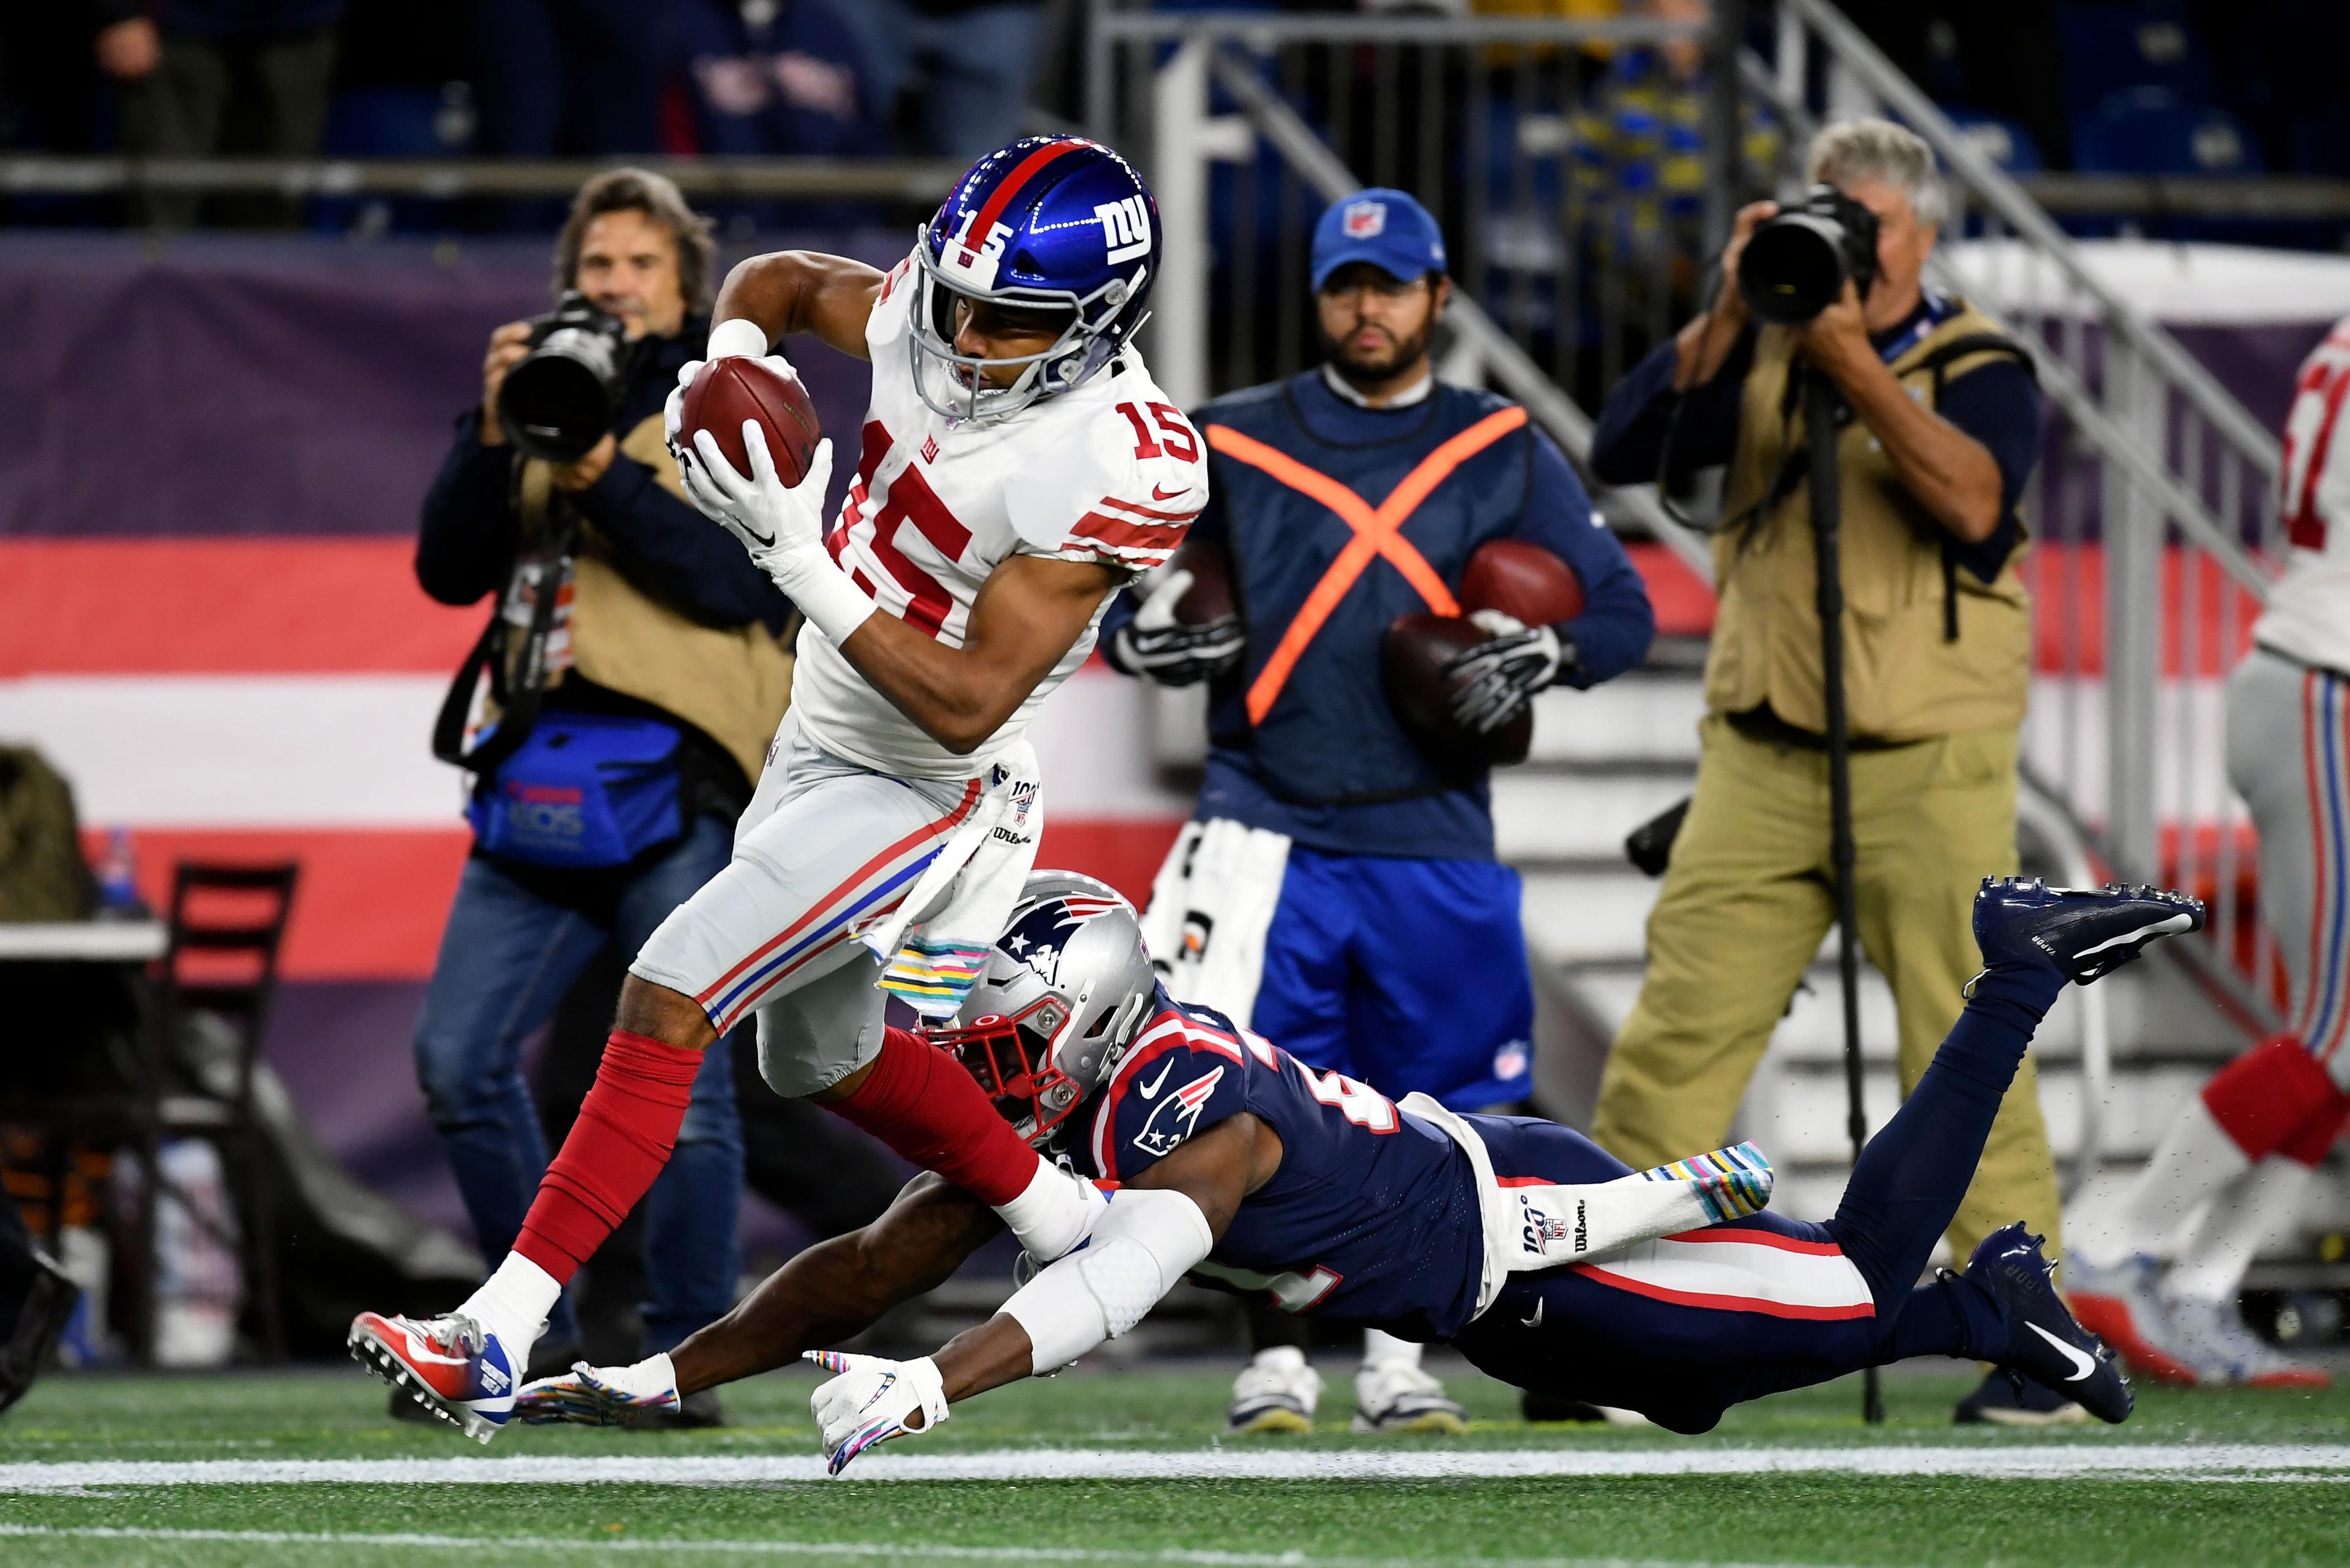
(1368, 366)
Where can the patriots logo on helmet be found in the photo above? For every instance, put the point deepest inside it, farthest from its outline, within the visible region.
(1038, 939)
(1364, 220)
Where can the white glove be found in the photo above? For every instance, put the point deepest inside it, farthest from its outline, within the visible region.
(1495, 679)
(870, 1402)
(1154, 646)
(728, 340)
(599, 1396)
(782, 525)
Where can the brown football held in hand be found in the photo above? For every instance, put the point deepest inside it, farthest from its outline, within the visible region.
(726, 392)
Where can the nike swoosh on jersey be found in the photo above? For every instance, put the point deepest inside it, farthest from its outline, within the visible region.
(1159, 494)
(1150, 1090)
(1535, 1320)
(2082, 1361)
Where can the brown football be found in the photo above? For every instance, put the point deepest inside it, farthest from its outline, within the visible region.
(727, 393)
(1412, 656)
(1521, 580)
(1210, 596)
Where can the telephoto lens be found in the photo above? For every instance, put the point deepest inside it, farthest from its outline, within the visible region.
(1797, 262)
(560, 397)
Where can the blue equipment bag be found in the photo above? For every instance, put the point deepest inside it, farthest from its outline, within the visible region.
(582, 790)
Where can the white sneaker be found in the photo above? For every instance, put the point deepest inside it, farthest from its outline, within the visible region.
(1403, 1396)
(2210, 1337)
(1275, 1392)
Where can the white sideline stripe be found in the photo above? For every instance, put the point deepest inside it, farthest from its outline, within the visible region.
(2216, 1461)
(877, 1551)
(355, 750)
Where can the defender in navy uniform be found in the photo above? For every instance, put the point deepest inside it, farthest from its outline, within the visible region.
(1337, 888)
(1542, 1257)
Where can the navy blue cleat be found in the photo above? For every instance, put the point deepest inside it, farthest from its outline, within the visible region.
(2084, 932)
(2044, 1342)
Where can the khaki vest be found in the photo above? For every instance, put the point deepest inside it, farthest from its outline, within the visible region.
(732, 683)
(1904, 679)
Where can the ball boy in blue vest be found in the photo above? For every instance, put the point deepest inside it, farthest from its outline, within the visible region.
(1336, 888)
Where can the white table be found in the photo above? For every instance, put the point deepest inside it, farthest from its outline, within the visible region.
(82, 941)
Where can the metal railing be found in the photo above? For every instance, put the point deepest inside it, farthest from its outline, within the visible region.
(1574, 220)
(2153, 517)
(911, 180)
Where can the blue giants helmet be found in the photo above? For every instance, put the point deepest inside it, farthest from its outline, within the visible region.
(1050, 223)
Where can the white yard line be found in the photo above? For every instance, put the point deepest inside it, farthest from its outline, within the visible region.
(1176, 1557)
(2219, 1463)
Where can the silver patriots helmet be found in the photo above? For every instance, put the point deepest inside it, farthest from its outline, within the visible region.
(1066, 990)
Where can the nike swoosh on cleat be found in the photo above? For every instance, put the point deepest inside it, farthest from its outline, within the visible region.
(417, 1351)
(1150, 1090)
(2081, 1360)
(2161, 928)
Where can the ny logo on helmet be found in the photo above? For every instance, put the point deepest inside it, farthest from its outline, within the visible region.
(1126, 228)
(1365, 218)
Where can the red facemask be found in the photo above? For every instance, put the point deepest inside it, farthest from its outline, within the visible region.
(1012, 1058)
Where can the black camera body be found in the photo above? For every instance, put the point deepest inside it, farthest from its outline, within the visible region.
(1797, 261)
(560, 398)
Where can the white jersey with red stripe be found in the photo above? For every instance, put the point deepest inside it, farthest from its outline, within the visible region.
(2308, 615)
(1110, 471)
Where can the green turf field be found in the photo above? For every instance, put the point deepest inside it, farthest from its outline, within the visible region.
(259, 1472)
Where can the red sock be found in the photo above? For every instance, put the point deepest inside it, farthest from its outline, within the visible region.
(626, 1126)
(919, 1103)
(2316, 1135)
(2262, 1097)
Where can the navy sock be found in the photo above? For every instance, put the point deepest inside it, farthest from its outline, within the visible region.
(1949, 1317)
(1907, 1182)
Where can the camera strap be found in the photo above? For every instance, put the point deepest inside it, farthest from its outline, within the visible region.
(1938, 365)
(520, 696)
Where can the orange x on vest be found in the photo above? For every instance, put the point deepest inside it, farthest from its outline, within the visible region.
(1378, 531)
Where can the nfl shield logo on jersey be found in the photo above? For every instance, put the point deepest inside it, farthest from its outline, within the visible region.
(1364, 220)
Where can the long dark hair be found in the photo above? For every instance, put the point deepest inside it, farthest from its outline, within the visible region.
(658, 198)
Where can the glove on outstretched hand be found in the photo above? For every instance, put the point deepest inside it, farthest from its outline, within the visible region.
(1162, 651)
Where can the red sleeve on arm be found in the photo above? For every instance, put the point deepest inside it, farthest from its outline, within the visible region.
(626, 1126)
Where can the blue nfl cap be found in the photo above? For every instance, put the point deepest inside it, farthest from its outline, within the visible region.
(1386, 228)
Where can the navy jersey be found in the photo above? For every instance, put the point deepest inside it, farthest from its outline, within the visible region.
(1372, 1217)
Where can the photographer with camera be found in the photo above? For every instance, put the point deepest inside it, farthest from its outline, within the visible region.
(1938, 427)
(636, 671)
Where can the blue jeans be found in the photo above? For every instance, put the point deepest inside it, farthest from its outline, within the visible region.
(507, 956)
(979, 65)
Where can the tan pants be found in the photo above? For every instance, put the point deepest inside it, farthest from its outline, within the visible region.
(1746, 902)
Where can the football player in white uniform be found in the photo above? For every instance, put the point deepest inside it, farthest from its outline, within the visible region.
(1016, 466)
(2158, 1275)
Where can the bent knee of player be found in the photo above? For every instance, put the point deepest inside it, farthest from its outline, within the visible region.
(662, 1012)
(790, 1062)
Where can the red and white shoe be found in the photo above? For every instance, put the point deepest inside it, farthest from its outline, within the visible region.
(450, 1366)
(2116, 1303)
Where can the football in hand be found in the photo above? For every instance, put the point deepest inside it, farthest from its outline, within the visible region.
(727, 393)
(1521, 580)
(1210, 596)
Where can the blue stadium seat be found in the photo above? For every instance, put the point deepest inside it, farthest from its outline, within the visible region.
(400, 122)
(2148, 131)
(2004, 140)
(2113, 48)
